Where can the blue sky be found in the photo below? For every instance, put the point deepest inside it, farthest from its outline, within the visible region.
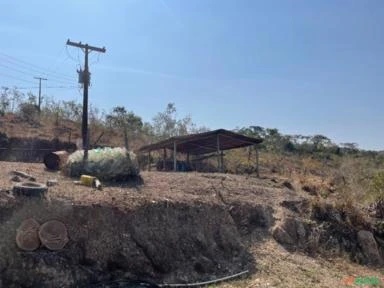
(304, 67)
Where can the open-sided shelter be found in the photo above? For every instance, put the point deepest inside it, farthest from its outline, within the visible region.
(203, 143)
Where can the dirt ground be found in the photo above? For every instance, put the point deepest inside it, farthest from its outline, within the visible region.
(233, 212)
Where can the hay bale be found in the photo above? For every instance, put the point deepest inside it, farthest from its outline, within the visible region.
(104, 163)
(53, 235)
(27, 237)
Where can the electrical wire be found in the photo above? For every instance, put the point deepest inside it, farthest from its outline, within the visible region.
(28, 70)
(33, 67)
(16, 78)
(10, 63)
(47, 87)
(58, 63)
(78, 56)
(55, 63)
(32, 74)
(97, 60)
(69, 54)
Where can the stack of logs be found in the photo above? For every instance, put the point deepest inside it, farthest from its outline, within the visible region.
(52, 234)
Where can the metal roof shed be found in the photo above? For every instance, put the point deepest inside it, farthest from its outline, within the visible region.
(203, 143)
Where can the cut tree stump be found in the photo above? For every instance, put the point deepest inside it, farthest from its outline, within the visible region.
(30, 189)
(53, 235)
(27, 237)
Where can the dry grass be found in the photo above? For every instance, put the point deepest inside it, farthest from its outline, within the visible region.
(48, 129)
(279, 268)
(158, 186)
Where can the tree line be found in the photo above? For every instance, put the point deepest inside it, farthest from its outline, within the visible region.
(275, 141)
(164, 124)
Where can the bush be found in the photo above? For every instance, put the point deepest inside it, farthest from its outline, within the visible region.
(376, 188)
(29, 112)
(341, 212)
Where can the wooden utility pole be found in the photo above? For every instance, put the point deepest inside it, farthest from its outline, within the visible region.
(39, 103)
(86, 81)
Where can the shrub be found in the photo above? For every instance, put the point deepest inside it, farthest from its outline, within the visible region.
(341, 212)
(376, 189)
(29, 112)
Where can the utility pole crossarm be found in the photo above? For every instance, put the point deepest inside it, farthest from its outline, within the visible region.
(86, 46)
(40, 78)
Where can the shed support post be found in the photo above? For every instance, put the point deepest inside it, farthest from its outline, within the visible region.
(149, 161)
(164, 158)
(222, 161)
(174, 156)
(257, 161)
(218, 153)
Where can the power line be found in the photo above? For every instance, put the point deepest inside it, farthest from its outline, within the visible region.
(71, 57)
(30, 71)
(47, 87)
(34, 67)
(51, 67)
(25, 72)
(15, 78)
(59, 63)
(31, 66)
(95, 61)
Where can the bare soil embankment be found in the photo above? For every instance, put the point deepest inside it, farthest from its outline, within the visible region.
(170, 228)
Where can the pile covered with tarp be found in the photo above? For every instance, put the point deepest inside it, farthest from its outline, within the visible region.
(104, 163)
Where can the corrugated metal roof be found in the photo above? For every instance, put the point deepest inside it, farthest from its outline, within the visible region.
(204, 143)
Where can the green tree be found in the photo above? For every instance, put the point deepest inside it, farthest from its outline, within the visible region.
(4, 100)
(320, 142)
(253, 131)
(31, 99)
(166, 124)
(128, 121)
(349, 147)
(273, 139)
(16, 98)
(73, 111)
